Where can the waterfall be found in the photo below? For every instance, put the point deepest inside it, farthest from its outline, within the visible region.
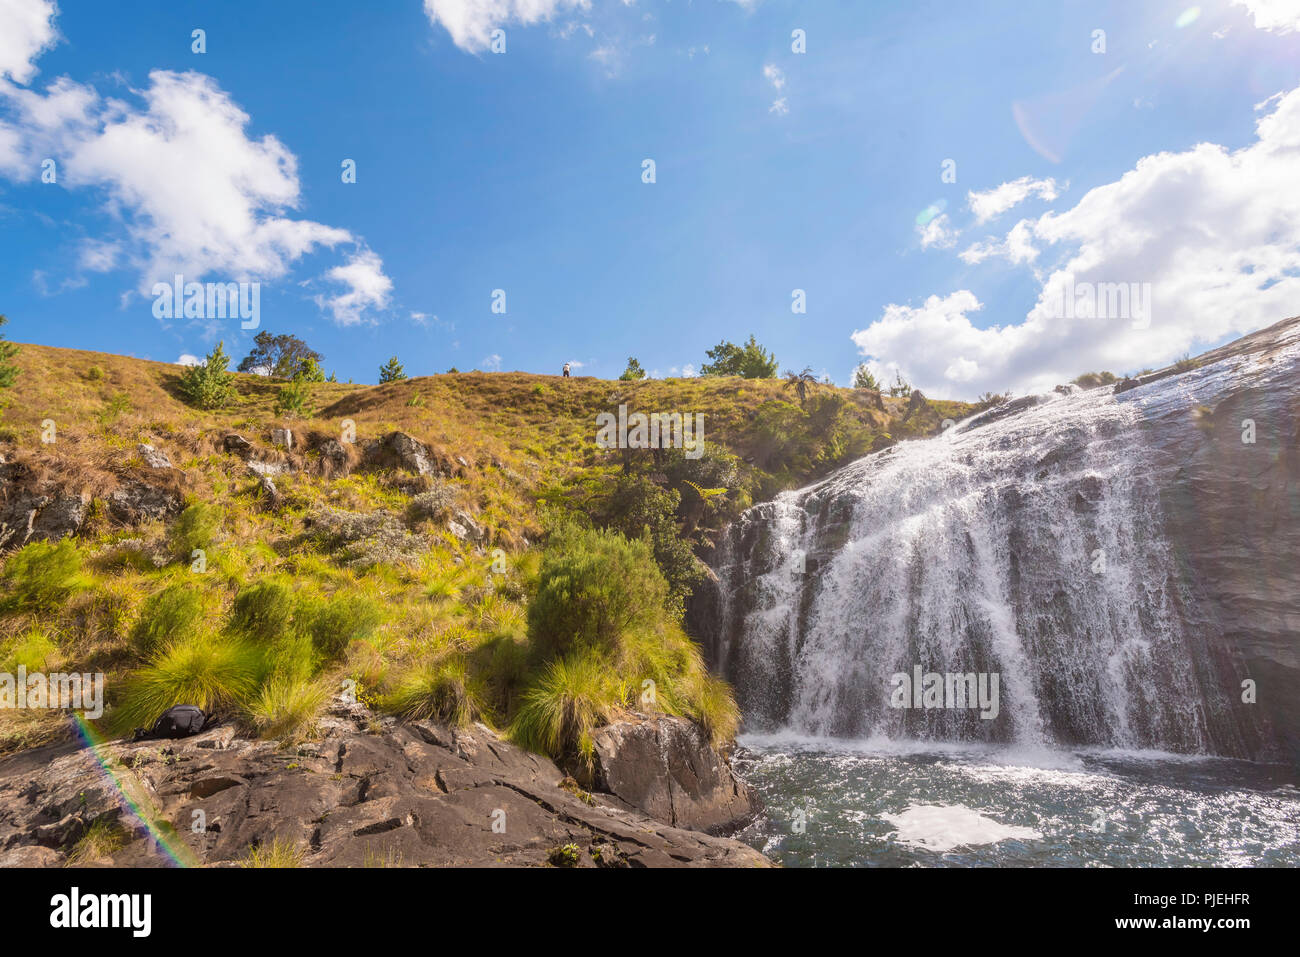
(1030, 546)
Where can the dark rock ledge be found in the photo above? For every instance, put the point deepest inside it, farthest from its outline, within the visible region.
(367, 791)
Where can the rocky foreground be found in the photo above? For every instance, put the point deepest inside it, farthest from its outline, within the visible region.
(376, 792)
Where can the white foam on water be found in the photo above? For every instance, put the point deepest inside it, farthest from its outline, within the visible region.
(942, 828)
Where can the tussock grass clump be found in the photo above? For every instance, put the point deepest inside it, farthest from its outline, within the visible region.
(263, 610)
(173, 614)
(712, 705)
(41, 575)
(287, 707)
(573, 697)
(213, 673)
(278, 854)
(442, 689)
(195, 528)
(34, 650)
(103, 838)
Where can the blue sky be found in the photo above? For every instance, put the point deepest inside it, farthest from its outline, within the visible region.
(1163, 153)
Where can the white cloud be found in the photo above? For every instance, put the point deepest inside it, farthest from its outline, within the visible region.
(188, 360)
(938, 232)
(471, 22)
(192, 192)
(367, 287)
(780, 106)
(491, 363)
(1277, 16)
(1215, 232)
(1018, 247)
(996, 201)
(26, 30)
(773, 74)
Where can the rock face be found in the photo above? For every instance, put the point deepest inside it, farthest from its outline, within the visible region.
(1225, 451)
(32, 515)
(1127, 560)
(407, 795)
(665, 767)
(282, 437)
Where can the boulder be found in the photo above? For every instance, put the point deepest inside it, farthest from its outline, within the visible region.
(135, 501)
(1126, 384)
(410, 453)
(363, 790)
(665, 767)
(282, 437)
(62, 517)
(153, 458)
(237, 444)
(334, 458)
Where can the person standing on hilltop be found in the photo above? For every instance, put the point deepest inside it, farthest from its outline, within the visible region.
(566, 370)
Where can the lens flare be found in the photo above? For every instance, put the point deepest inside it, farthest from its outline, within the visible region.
(1188, 17)
(171, 849)
(931, 211)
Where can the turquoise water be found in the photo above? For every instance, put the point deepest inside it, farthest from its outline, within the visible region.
(885, 804)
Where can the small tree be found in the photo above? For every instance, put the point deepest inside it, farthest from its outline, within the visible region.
(283, 357)
(801, 382)
(751, 361)
(8, 371)
(292, 398)
(391, 371)
(633, 371)
(864, 379)
(210, 384)
(309, 371)
(900, 386)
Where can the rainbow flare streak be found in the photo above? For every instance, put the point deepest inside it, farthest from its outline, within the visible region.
(177, 854)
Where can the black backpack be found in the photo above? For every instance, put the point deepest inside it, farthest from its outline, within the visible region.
(180, 721)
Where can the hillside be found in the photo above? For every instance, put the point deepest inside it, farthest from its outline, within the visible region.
(207, 563)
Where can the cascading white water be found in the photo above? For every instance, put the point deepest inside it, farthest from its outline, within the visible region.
(1030, 546)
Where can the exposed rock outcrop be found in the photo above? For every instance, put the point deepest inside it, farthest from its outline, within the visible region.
(409, 794)
(664, 767)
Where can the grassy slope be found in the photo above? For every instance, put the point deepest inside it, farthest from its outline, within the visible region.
(525, 438)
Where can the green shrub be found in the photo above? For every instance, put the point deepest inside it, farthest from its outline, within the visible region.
(594, 587)
(195, 528)
(212, 673)
(641, 509)
(173, 614)
(336, 622)
(263, 611)
(41, 575)
(94, 373)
